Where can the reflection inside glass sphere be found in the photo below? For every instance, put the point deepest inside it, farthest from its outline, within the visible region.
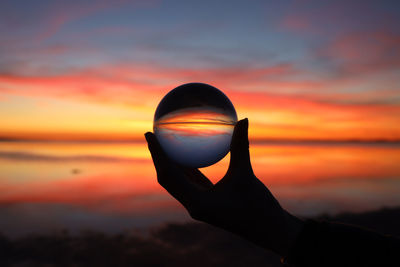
(194, 124)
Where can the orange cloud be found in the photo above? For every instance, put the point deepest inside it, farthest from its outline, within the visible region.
(115, 102)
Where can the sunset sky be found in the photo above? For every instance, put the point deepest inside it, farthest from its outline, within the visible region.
(96, 70)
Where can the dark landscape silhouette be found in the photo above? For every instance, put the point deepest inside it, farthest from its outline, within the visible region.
(185, 244)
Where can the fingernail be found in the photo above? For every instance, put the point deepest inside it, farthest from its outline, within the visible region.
(147, 136)
(246, 121)
(243, 122)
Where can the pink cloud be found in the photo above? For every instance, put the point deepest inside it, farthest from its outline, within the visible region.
(307, 16)
(59, 13)
(364, 52)
(130, 83)
(109, 83)
(356, 37)
(296, 23)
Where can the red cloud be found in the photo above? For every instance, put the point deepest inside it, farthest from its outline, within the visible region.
(131, 84)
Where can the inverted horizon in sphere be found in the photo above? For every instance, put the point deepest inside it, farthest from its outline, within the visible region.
(194, 124)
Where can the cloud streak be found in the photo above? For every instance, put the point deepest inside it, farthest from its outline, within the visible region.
(254, 91)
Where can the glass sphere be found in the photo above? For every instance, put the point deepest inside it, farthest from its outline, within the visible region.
(194, 124)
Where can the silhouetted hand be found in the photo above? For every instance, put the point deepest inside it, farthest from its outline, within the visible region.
(239, 202)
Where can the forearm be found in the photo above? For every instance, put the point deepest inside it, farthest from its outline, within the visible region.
(278, 237)
(334, 244)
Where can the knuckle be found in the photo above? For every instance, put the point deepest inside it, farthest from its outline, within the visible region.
(196, 214)
(161, 180)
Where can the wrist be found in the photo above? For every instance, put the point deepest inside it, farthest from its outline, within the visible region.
(294, 226)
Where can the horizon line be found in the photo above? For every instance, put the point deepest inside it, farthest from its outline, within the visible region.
(252, 140)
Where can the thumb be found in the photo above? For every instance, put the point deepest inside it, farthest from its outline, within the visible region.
(240, 156)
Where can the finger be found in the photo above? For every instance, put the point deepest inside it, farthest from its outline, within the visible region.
(240, 156)
(198, 178)
(170, 175)
(160, 159)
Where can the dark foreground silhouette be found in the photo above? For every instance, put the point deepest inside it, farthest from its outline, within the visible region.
(189, 244)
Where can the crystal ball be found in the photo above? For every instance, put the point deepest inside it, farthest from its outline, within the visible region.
(194, 124)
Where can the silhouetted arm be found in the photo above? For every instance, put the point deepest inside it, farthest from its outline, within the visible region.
(242, 204)
(239, 202)
(335, 244)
